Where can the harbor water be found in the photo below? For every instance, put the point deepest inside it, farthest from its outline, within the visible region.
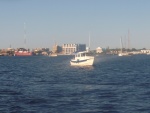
(42, 84)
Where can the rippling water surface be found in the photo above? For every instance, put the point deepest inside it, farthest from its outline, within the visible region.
(50, 85)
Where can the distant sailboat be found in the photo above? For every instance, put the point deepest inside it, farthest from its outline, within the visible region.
(121, 52)
(54, 51)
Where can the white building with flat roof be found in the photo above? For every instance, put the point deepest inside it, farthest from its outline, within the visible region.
(71, 48)
(145, 51)
(99, 50)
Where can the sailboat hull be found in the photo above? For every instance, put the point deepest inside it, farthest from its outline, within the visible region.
(123, 54)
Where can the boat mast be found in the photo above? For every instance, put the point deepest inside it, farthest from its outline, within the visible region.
(89, 41)
(121, 44)
(128, 40)
(125, 45)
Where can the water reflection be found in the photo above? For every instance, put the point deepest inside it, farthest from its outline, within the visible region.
(84, 67)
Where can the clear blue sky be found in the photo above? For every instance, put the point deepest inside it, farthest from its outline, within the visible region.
(70, 21)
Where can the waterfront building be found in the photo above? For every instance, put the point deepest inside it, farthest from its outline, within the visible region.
(71, 48)
(88, 49)
(41, 51)
(145, 51)
(99, 50)
(45, 49)
(56, 49)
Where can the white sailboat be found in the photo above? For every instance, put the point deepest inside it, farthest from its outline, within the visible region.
(121, 52)
(54, 51)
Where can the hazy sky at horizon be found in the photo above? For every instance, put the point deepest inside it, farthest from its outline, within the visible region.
(70, 21)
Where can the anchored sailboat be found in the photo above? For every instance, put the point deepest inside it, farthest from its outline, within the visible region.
(121, 52)
(54, 51)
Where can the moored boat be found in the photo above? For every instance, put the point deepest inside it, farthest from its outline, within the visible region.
(123, 54)
(22, 52)
(148, 53)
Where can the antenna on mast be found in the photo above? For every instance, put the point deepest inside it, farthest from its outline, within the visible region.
(121, 43)
(24, 34)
